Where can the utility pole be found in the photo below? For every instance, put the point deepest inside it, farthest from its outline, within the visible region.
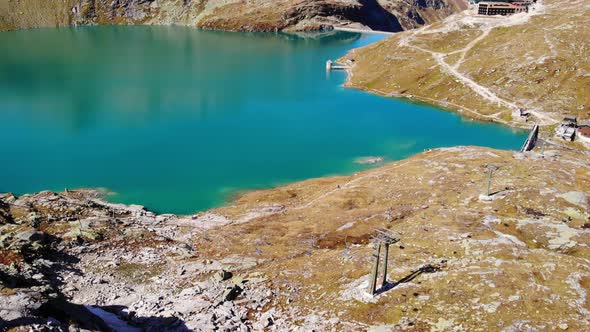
(384, 272)
(373, 285)
(491, 169)
(383, 238)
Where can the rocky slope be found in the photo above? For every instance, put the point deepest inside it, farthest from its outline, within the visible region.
(298, 257)
(258, 15)
(488, 67)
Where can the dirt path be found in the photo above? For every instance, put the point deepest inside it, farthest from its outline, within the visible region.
(469, 46)
(453, 69)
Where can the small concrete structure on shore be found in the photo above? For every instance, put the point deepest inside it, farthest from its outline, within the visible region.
(567, 128)
(521, 114)
(331, 65)
(531, 140)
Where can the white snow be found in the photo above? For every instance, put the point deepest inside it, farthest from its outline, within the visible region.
(112, 320)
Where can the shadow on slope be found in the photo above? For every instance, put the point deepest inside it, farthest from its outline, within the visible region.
(374, 16)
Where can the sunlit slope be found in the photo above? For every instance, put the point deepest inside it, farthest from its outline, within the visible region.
(517, 260)
(34, 13)
(254, 15)
(487, 67)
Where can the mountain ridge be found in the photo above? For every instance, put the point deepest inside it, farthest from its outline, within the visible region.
(234, 15)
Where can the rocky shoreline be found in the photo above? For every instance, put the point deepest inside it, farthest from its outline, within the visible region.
(297, 257)
(72, 246)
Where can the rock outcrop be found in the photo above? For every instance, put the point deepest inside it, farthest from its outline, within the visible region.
(258, 15)
(70, 260)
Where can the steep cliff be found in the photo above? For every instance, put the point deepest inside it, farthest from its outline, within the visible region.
(239, 15)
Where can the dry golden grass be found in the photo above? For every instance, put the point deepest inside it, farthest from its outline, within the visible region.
(541, 64)
(18, 14)
(320, 242)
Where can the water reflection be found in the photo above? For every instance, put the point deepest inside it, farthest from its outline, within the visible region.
(172, 117)
(163, 70)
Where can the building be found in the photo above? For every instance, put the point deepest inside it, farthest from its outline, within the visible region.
(567, 128)
(584, 129)
(502, 8)
(529, 2)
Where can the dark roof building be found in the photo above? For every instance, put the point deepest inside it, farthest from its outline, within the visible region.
(570, 119)
(502, 8)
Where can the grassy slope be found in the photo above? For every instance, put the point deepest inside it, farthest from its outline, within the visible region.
(501, 262)
(15, 14)
(510, 264)
(541, 63)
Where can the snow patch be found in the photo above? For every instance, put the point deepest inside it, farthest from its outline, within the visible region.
(112, 320)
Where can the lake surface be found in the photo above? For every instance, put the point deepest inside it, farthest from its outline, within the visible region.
(178, 119)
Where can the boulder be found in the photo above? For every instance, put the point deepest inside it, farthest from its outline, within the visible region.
(222, 275)
(21, 304)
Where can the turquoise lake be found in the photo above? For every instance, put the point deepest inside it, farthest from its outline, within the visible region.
(178, 119)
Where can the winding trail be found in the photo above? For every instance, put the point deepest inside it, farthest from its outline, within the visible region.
(453, 70)
(470, 46)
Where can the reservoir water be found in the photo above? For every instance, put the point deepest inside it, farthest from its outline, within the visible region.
(178, 119)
